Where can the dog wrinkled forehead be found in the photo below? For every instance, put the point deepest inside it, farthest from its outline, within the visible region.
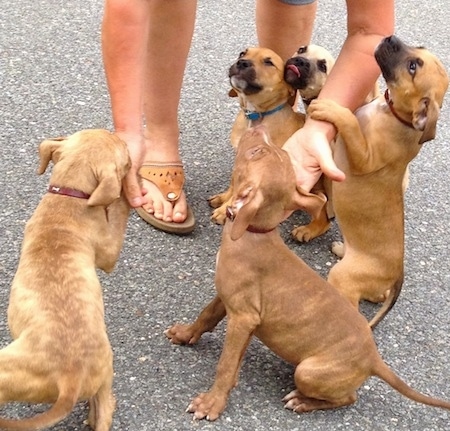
(263, 56)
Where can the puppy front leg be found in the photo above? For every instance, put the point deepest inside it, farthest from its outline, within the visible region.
(211, 404)
(360, 156)
(208, 319)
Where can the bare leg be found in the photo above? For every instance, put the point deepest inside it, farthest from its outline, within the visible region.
(140, 38)
(295, 30)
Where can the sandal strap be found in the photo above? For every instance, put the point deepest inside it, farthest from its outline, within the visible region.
(168, 177)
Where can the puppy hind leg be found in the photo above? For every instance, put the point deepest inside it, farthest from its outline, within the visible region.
(101, 408)
(319, 387)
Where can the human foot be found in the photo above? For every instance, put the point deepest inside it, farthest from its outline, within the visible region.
(166, 207)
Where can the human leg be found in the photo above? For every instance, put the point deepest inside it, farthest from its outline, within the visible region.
(170, 32)
(297, 22)
(145, 48)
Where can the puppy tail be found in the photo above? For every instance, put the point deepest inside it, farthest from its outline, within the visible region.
(382, 371)
(390, 301)
(61, 409)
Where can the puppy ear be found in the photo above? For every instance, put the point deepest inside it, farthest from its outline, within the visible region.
(49, 150)
(425, 118)
(309, 202)
(232, 93)
(108, 189)
(245, 207)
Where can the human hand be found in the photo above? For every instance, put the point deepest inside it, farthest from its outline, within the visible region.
(310, 153)
(134, 193)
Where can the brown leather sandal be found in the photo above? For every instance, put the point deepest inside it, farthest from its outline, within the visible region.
(169, 178)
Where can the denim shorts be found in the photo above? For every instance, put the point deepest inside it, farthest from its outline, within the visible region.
(297, 2)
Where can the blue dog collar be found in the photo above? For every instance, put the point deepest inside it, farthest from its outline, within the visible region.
(253, 115)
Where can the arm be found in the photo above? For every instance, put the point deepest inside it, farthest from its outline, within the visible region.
(351, 79)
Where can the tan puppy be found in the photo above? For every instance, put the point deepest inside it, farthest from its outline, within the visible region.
(267, 290)
(61, 353)
(307, 71)
(374, 149)
(257, 79)
(265, 98)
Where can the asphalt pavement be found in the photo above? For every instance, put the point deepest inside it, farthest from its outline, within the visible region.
(52, 84)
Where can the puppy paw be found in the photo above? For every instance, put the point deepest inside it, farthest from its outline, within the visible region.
(338, 248)
(207, 406)
(325, 110)
(182, 334)
(219, 215)
(216, 201)
(301, 234)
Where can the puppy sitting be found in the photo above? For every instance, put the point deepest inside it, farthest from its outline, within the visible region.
(373, 149)
(61, 353)
(266, 290)
(257, 79)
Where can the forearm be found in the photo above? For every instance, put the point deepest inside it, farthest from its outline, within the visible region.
(356, 71)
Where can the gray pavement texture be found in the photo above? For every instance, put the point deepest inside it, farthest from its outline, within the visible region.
(52, 84)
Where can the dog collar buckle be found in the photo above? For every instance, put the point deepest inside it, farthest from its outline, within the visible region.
(254, 116)
(67, 191)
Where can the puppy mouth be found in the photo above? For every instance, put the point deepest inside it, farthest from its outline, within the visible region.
(294, 69)
(241, 84)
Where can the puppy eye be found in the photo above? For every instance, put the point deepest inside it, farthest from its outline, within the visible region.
(241, 54)
(322, 65)
(302, 50)
(268, 62)
(414, 64)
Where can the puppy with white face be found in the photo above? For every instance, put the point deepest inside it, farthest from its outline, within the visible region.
(307, 71)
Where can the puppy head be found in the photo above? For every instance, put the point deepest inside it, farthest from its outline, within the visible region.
(264, 185)
(417, 82)
(93, 161)
(307, 70)
(257, 77)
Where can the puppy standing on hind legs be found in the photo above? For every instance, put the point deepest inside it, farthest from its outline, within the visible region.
(373, 148)
(61, 353)
(266, 290)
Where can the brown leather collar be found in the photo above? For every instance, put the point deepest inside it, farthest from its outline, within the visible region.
(390, 103)
(66, 191)
(230, 216)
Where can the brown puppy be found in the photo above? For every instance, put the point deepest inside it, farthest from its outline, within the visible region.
(267, 290)
(374, 149)
(265, 98)
(307, 71)
(61, 353)
(257, 79)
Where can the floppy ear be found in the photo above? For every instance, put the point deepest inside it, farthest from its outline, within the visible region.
(108, 189)
(425, 118)
(232, 93)
(309, 202)
(247, 204)
(49, 150)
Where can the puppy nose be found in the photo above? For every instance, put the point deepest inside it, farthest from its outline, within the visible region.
(301, 62)
(243, 63)
(394, 42)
